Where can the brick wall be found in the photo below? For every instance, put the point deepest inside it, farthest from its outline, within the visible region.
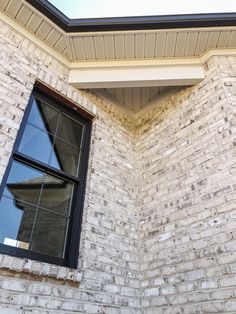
(107, 279)
(186, 196)
(159, 209)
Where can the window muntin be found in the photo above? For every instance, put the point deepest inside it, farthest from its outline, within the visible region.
(38, 211)
(58, 137)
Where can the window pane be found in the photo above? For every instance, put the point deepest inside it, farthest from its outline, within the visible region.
(24, 183)
(56, 195)
(49, 233)
(36, 144)
(16, 219)
(70, 130)
(43, 116)
(68, 157)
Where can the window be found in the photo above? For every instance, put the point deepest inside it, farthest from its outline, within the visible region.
(43, 187)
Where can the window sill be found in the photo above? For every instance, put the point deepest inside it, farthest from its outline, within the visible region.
(27, 266)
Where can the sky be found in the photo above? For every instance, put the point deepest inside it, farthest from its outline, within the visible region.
(111, 8)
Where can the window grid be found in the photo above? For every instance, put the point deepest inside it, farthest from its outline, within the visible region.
(75, 203)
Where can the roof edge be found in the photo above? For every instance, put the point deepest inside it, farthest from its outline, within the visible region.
(132, 23)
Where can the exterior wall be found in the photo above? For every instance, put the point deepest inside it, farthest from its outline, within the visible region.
(159, 208)
(107, 280)
(187, 197)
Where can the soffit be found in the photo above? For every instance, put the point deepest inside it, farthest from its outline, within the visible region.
(134, 98)
(120, 45)
(148, 44)
(35, 22)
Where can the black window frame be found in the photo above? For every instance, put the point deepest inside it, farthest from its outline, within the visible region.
(54, 99)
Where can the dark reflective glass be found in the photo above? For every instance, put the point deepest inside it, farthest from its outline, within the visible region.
(68, 157)
(24, 183)
(43, 116)
(27, 221)
(70, 130)
(56, 195)
(16, 219)
(49, 234)
(36, 144)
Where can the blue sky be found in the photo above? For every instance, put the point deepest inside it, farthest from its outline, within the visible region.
(109, 8)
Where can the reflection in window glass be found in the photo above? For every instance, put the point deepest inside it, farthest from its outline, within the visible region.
(16, 221)
(44, 116)
(36, 144)
(49, 233)
(56, 195)
(70, 131)
(24, 183)
(69, 157)
(27, 222)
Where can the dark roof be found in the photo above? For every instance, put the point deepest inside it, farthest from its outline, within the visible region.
(133, 23)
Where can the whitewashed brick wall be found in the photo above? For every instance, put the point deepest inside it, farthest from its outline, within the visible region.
(187, 157)
(159, 225)
(107, 279)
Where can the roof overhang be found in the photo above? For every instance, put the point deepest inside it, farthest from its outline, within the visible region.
(126, 38)
(118, 54)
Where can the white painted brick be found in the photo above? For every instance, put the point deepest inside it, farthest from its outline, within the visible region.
(13, 285)
(129, 291)
(213, 307)
(226, 258)
(40, 289)
(228, 281)
(7, 310)
(230, 306)
(165, 236)
(187, 286)
(223, 294)
(159, 281)
(151, 292)
(112, 289)
(168, 290)
(208, 284)
(195, 274)
(177, 299)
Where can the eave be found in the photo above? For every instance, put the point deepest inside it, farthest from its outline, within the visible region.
(111, 54)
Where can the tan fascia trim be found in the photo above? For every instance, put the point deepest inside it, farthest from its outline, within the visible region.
(134, 63)
(216, 53)
(136, 76)
(88, 65)
(150, 31)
